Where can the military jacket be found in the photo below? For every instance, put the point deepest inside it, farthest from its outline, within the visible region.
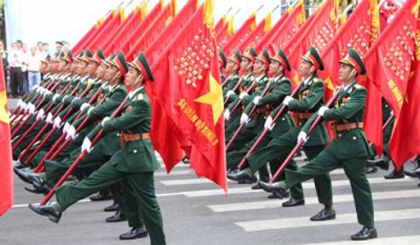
(348, 108)
(135, 156)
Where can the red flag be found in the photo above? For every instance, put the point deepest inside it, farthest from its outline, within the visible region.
(393, 55)
(6, 164)
(405, 140)
(256, 35)
(359, 32)
(193, 97)
(295, 21)
(240, 35)
(267, 39)
(133, 36)
(221, 24)
(153, 30)
(319, 32)
(108, 30)
(224, 35)
(82, 44)
(163, 132)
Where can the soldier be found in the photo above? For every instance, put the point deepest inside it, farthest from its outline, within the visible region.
(349, 149)
(246, 82)
(280, 87)
(135, 162)
(222, 65)
(308, 101)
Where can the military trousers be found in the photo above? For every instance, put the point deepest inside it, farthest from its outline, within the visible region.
(143, 189)
(355, 170)
(277, 151)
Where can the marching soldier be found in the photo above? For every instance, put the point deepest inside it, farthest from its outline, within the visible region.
(349, 149)
(135, 162)
(222, 65)
(309, 100)
(246, 65)
(280, 87)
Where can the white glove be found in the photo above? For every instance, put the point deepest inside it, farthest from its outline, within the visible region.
(65, 96)
(287, 100)
(75, 100)
(90, 109)
(57, 122)
(104, 120)
(229, 93)
(31, 108)
(242, 95)
(322, 110)
(66, 127)
(71, 132)
(41, 90)
(35, 87)
(47, 92)
(23, 105)
(49, 118)
(55, 97)
(40, 114)
(302, 136)
(391, 113)
(269, 123)
(227, 114)
(256, 99)
(19, 104)
(86, 145)
(84, 106)
(244, 118)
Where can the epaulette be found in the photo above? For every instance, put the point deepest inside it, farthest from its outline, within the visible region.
(265, 79)
(139, 97)
(236, 76)
(357, 86)
(316, 80)
(251, 78)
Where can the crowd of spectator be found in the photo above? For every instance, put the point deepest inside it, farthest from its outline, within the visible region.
(21, 65)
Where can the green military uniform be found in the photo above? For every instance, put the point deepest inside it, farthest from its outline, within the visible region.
(308, 101)
(348, 150)
(135, 163)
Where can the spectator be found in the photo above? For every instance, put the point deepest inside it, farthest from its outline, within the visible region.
(34, 63)
(25, 58)
(46, 46)
(20, 44)
(41, 53)
(59, 48)
(3, 53)
(15, 59)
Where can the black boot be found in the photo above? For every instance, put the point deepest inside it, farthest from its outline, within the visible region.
(101, 197)
(136, 232)
(117, 217)
(324, 215)
(293, 202)
(46, 210)
(365, 234)
(112, 208)
(395, 175)
(415, 173)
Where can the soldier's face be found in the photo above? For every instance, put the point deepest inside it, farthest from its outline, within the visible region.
(259, 67)
(61, 65)
(43, 67)
(305, 68)
(231, 67)
(100, 72)
(245, 64)
(81, 67)
(73, 67)
(91, 68)
(111, 73)
(345, 72)
(275, 68)
(132, 77)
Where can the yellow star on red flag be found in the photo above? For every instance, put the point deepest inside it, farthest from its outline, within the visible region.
(214, 98)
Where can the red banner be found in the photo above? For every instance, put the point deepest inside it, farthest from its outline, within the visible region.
(6, 163)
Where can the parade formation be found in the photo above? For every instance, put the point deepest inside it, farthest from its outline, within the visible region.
(338, 86)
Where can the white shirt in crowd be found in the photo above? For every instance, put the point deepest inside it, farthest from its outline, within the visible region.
(15, 58)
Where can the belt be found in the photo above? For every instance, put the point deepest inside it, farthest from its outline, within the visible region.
(304, 115)
(124, 137)
(337, 128)
(348, 126)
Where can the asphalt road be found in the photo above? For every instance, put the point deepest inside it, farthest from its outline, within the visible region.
(196, 211)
